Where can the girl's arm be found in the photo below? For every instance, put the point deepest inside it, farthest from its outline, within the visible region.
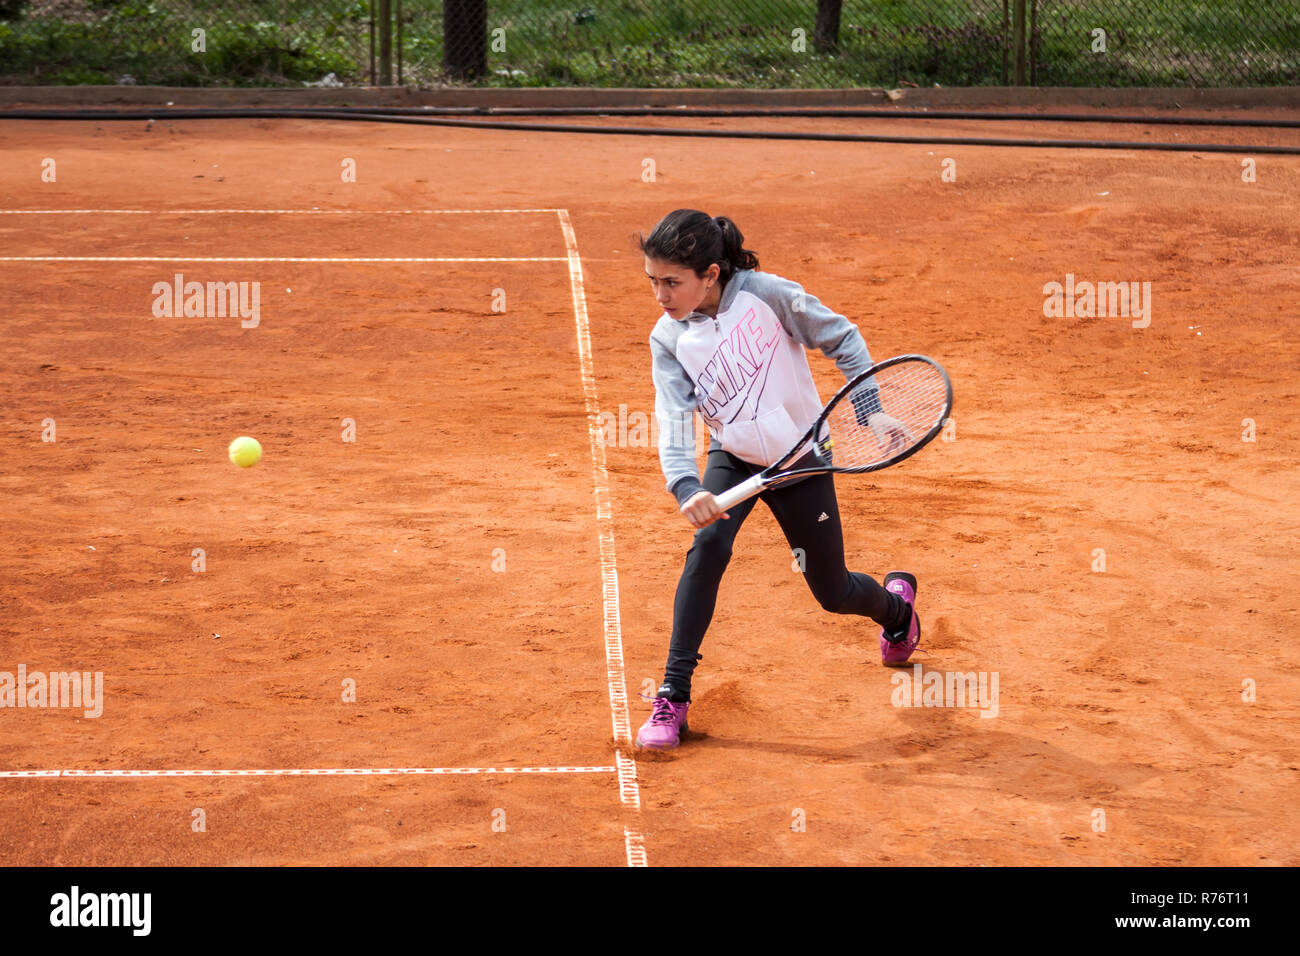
(812, 324)
(675, 414)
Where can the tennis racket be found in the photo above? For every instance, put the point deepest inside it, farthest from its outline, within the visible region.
(888, 413)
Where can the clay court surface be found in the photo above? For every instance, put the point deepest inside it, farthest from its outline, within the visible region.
(379, 560)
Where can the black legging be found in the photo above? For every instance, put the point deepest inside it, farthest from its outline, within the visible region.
(797, 508)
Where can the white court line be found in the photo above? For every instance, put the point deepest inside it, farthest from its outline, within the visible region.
(627, 785)
(629, 789)
(604, 507)
(278, 212)
(306, 772)
(634, 843)
(275, 259)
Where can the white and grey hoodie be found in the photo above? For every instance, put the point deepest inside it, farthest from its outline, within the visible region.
(745, 372)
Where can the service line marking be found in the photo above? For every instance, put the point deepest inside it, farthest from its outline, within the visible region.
(306, 772)
(629, 789)
(272, 212)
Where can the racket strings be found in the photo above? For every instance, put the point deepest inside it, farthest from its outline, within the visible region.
(913, 397)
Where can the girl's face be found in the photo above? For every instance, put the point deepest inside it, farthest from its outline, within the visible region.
(678, 289)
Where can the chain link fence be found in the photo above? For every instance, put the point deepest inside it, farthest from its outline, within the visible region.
(1165, 43)
(184, 42)
(652, 43)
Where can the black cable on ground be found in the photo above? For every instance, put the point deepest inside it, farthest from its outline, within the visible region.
(173, 113)
(812, 112)
(823, 113)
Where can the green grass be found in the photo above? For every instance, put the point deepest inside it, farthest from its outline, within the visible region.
(741, 43)
(248, 44)
(668, 43)
(888, 43)
(1207, 43)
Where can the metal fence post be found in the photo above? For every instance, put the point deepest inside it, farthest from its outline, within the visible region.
(1031, 41)
(464, 38)
(1018, 32)
(1006, 23)
(384, 14)
(826, 30)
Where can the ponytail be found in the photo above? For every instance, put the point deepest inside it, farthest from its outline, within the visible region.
(734, 255)
(688, 237)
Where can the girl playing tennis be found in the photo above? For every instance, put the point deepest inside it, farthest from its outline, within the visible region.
(730, 345)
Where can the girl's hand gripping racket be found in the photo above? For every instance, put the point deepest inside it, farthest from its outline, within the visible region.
(888, 413)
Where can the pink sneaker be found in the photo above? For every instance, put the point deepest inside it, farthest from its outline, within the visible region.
(897, 647)
(664, 728)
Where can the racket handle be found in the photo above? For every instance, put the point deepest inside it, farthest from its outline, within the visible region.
(742, 492)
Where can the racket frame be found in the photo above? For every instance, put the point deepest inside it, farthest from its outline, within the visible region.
(772, 475)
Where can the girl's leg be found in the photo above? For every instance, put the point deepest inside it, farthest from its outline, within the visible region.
(697, 589)
(809, 516)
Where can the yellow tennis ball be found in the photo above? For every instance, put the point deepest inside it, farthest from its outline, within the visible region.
(245, 452)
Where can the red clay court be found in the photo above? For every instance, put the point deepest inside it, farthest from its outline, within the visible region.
(489, 574)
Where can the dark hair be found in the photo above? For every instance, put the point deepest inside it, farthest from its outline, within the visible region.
(688, 237)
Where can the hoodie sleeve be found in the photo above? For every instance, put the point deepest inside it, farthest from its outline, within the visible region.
(675, 414)
(813, 325)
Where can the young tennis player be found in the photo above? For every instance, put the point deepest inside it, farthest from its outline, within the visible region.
(730, 346)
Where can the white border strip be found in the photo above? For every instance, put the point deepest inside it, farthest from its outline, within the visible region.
(273, 259)
(634, 843)
(627, 785)
(629, 789)
(604, 507)
(307, 772)
(278, 212)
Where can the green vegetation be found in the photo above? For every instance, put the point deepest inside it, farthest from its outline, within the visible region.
(1169, 43)
(151, 42)
(766, 43)
(663, 43)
